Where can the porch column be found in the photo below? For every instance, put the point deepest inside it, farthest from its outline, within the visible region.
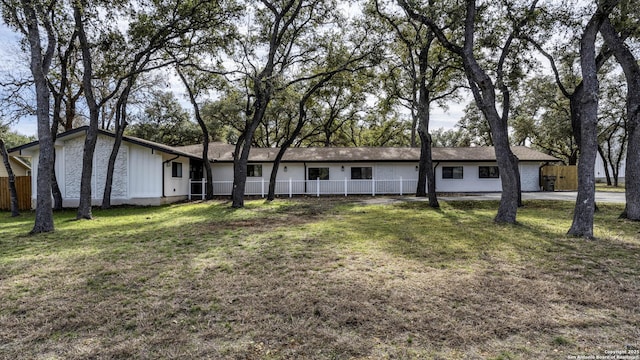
(346, 184)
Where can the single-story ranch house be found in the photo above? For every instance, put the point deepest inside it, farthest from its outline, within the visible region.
(149, 173)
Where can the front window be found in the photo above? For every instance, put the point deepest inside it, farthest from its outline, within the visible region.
(358, 173)
(488, 172)
(318, 173)
(452, 172)
(176, 169)
(254, 170)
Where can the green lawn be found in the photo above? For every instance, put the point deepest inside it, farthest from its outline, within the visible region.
(319, 279)
(606, 188)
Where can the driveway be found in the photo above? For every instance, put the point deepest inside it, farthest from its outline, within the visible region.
(604, 197)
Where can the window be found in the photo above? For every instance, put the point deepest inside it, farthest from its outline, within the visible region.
(452, 172)
(361, 173)
(254, 170)
(176, 169)
(488, 172)
(319, 173)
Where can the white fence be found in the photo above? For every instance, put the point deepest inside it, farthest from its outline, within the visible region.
(318, 187)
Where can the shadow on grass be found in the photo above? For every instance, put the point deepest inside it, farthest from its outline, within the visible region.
(344, 280)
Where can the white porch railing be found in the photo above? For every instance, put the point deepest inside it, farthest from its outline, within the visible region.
(317, 187)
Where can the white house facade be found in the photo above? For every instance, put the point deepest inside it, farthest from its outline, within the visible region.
(145, 173)
(372, 171)
(148, 173)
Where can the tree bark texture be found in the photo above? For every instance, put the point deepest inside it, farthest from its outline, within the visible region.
(120, 126)
(582, 225)
(426, 173)
(485, 96)
(40, 65)
(55, 188)
(243, 147)
(285, 146)
(58, 99)
(84, 206)
(13, 193)
(205, 136)
(631, 71)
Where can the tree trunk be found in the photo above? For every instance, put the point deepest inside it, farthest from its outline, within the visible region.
(582, 225)
(84, 206)
(57, 103)
(296, 131)
(271, 195)
(506, 160)
(426, 173)
(117, 143)
(39, 65)
(605, 165)
(240, 159)
(484, 94)
(510, 199)
(55, 188)
(632, 168)
(57, 107)
(120, 126)
(414, 126)
(207, 167)
(205, 136)
(632, 74)
(13, 193)
(243, 147)
(425, 146)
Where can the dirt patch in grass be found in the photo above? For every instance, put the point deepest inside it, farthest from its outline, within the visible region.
(337, 280)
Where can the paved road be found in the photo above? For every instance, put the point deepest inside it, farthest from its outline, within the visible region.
(604, 197)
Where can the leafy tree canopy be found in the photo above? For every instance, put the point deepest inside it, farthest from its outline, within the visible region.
(165, 121)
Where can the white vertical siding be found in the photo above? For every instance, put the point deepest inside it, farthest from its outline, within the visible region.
(145, 169)
(175, 186)
(35, 155)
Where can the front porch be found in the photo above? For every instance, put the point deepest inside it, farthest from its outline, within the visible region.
(316, 187)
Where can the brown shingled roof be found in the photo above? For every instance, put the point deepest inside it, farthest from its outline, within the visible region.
(224, 153)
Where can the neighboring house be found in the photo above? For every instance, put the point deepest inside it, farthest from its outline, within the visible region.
(362, 170)
(19, 166)
(146, 173)
(21, 170)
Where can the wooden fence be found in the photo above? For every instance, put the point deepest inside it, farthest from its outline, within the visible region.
(566, 176)
(23, 187)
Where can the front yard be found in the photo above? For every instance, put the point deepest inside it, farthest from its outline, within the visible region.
(327, 278)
